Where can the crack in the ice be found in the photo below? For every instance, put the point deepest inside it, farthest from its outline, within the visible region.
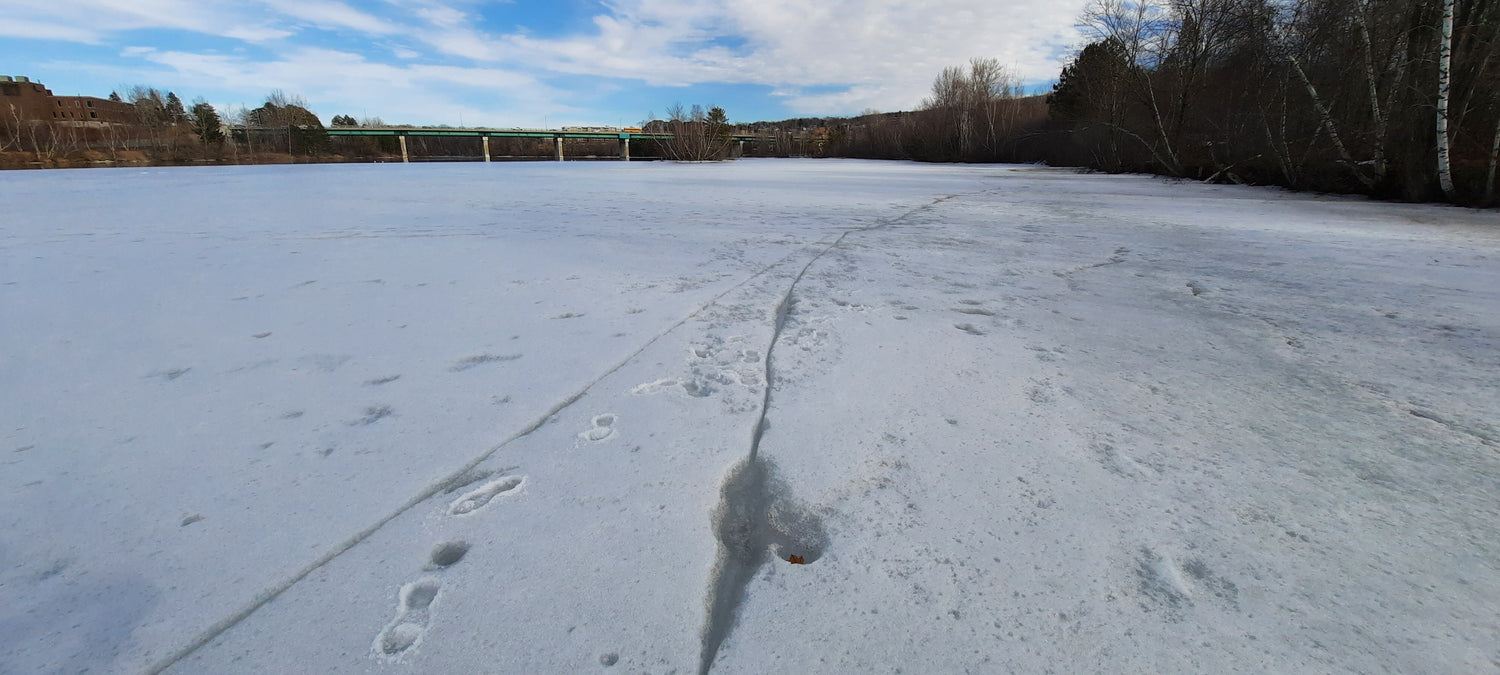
(755, 513)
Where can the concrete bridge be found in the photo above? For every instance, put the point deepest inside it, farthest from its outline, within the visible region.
(624, 137)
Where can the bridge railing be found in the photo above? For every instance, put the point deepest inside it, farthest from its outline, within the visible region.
(485, 134)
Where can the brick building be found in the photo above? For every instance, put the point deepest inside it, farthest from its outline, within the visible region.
(28, 100)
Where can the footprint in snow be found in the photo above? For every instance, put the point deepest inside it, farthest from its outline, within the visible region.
(968, 328)
(479, 360)
(603, 430)
(413, 614)
(481, 496)
(372, 415)
(170, 374)
(447, 554)
(654, 387)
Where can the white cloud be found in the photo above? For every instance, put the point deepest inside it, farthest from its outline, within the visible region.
(442, 16)
(91, 20)
(43, 30)
(333, 15)
(256, 34)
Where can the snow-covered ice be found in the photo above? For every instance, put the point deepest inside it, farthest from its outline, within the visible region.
(516, 418)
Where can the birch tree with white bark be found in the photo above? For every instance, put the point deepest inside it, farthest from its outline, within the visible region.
(1444, 89)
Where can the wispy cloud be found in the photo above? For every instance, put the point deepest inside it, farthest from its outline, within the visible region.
(44, 30)
(92, 21)
(332, 15)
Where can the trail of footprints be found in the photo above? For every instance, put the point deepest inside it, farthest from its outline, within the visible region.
(417, 600)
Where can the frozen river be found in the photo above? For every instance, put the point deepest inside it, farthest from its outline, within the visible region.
(516, 418)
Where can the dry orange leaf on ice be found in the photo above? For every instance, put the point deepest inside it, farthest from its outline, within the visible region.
(796, 560)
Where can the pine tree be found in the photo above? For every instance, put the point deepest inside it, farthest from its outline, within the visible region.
(206, 123)
(718, 125)
(174, 110)
(115, 96)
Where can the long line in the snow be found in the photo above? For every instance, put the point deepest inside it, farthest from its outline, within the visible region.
(745, 491)
(266, 596)
(785, 305)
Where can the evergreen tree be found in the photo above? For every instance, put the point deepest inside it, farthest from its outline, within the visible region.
(1090, 84)
(718, 124)
(206, 123)
(175, 113)
(115, 96)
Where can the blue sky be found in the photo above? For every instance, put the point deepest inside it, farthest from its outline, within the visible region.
(530, 64)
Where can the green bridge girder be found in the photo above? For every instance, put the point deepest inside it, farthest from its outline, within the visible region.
(515, 133)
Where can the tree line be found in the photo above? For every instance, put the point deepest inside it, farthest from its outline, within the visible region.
(159, 124)
(162, 129)
(978, 112)
(166, 123)
(1398, 99)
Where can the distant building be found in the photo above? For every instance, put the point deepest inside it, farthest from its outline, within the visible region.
(30, 101)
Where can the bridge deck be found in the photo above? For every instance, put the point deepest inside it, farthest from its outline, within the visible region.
(514, 133)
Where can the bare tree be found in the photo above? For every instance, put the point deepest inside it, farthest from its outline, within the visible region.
(974, 105)
(1381, 114)
(151, 111)
(10, 128)
(694, 136)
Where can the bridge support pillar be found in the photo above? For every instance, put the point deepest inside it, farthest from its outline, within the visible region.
(739, 148)
(403, 148)
(625, 149)
(558, 141)
(486, 140)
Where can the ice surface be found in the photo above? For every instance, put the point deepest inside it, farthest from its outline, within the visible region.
(468, 418)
